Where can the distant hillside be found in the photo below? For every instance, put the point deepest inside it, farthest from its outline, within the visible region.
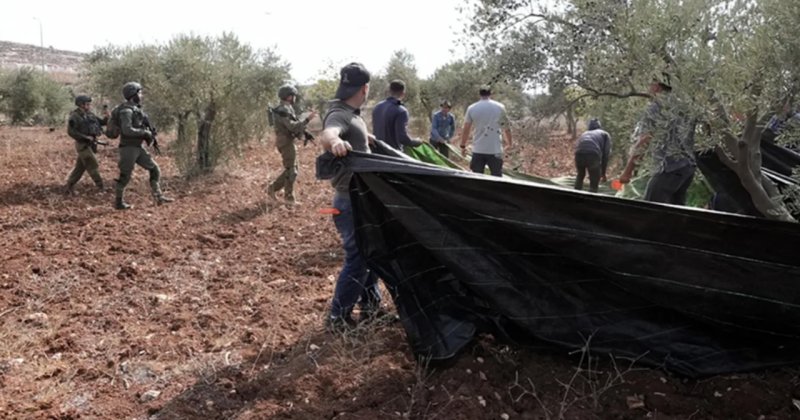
(62, 65)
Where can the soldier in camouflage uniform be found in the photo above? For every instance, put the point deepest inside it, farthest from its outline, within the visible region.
(287, 128)
(131, 151)
(84, 127)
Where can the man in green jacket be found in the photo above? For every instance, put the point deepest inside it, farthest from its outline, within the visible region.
(287, 128)
(131, 152)
(84, 127)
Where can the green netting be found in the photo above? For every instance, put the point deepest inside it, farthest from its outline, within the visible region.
(698, 195)
(426, 153)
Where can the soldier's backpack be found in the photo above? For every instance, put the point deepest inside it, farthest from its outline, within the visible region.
(113, 129)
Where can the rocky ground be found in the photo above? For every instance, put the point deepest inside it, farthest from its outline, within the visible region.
(212, 307)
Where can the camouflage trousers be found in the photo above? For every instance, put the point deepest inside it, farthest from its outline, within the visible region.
(285, 180)
(129, 156)
(86, 162)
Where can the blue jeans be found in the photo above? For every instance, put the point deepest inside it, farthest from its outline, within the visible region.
(356, 282)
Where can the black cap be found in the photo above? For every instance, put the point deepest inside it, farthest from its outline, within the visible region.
(594, 124)
(353, 77)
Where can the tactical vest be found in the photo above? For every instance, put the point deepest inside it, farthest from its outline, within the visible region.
(87, 123)
(137, 120)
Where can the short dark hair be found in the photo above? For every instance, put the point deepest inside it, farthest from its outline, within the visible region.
(446, 104)
(397, 86)
(485, 91)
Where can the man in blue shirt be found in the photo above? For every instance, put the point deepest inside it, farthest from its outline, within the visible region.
(390, 118)
(443, 127)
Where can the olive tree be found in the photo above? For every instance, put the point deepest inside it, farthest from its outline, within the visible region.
(29, 96)
(213, 91)
(730, 62)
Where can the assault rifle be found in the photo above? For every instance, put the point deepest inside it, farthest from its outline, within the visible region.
(154, 142)
(95, 130)
(307, 136)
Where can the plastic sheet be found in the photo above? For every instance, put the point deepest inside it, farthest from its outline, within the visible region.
(694, 291)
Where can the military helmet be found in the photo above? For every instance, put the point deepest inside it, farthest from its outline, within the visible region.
(130, 90)
(286, 91)
(82, 99)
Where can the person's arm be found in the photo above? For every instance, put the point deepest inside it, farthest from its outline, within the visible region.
(509, 141)
(606, 155)
(636, 153)
(103, 121)
(401, 130)
(293, 125)
(465, 130)
(126, 126)
(331, 142)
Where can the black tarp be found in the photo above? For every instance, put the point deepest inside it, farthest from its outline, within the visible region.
(694, 291)
(777, 164)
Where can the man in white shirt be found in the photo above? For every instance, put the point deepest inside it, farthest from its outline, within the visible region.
(489, 119)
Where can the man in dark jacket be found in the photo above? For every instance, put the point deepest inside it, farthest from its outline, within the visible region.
(390, 118)
(591, 155)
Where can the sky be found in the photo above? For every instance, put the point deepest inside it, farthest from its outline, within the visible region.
(312, 35)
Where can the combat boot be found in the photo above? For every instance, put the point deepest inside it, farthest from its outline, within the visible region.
(69, 189)
(163, 200)
(120, 204)
(271, 193)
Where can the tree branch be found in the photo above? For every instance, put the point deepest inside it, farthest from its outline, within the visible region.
(761, 199)
(752, 137)
(632, 94)
(726, 160)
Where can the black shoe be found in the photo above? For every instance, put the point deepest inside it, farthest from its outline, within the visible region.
(340, 324)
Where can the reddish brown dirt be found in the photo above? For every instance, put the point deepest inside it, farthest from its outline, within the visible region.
(216, 304)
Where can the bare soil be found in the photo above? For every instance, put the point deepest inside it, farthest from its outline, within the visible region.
(212, 307)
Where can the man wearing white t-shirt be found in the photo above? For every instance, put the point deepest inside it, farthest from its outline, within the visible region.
(489, 119)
